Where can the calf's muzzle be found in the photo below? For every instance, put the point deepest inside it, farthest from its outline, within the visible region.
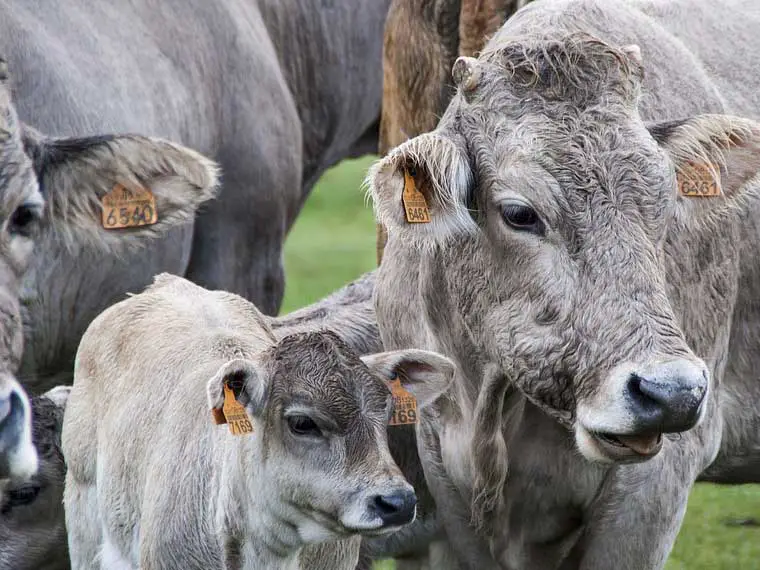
(394, 509)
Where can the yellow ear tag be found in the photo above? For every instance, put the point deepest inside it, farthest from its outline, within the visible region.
(125, 208)
(698, 180)
(232, 413)
(404, 405)
(415, 205)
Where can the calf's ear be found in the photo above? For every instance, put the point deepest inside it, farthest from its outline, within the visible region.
(716, 157)
(247, 380)
(59, 396)
(425, 374)
(430, 167)
(76, 173)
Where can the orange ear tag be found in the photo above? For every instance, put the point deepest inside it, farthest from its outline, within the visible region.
(415, 205)
(125, 208)
(698, 180)
(232, 413)
(404, 405)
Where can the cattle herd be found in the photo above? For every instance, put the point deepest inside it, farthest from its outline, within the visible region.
(559, 341)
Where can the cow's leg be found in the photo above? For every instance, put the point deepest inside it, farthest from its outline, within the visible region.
(83, 524)
(634, 521)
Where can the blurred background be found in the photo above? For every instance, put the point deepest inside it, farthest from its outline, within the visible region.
(333, 242)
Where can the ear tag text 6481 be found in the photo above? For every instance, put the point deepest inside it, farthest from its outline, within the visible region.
(698, 181)
(404, 405)
(232, 413)
(415, 206)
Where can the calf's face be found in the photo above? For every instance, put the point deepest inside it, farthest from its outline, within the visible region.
(554, 213)
(321, 414)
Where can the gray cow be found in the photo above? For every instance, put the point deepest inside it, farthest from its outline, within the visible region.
(591, 308)
(32, 526)
(276, 91)
(153, 483)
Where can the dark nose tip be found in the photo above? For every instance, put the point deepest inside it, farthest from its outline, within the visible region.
(395, 508)
(667, 397)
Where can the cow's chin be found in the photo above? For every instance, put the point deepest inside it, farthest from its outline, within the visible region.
(616, 448)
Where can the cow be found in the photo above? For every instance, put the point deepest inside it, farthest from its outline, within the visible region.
(152, 482)
(275, 91)
(32, 526)
(589, 264)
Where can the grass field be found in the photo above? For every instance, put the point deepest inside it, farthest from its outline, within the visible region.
(333, 242)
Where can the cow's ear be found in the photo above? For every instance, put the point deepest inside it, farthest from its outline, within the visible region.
(76, 173)
(246, 379)
(425, 374)
(422, 189)
(715, 157)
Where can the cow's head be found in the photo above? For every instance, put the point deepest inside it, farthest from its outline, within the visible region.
(320, 415)
(560, 241)
(50, 192)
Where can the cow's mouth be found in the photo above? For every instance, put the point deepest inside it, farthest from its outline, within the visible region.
(629, 446)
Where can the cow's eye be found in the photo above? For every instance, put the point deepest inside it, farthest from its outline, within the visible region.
(522, 217)
(25, 220)
(303, 425)
(20, 496)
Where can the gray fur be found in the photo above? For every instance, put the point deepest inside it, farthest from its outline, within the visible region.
(152, 482)
(589, 111)
(275, 91)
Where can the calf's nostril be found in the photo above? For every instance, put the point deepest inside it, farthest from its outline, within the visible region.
(395, 508)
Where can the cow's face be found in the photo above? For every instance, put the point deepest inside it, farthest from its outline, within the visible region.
(320, 415)
(552, 205)
(50, 194)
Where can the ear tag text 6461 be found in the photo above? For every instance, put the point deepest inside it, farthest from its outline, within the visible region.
(232, 413)
(404, 405)
(415, 206)
(699, 181)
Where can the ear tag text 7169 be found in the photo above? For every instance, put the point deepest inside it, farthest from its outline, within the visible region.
(415, 206)
(404, 405)
(232, 413)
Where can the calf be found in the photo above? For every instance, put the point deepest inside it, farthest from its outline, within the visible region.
(153, 483)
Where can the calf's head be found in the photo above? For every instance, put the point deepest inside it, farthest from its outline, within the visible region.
(560, 243)
(320, 415)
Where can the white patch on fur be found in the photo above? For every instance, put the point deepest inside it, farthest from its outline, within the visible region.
(111, 557)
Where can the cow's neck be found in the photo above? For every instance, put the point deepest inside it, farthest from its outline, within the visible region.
(332, 61)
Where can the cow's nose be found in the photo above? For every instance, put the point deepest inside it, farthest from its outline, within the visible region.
(667, 397)
(395, 508)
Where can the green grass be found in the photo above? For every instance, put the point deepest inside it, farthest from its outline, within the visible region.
(333, 242)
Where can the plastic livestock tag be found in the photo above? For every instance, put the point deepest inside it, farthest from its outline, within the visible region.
(233, 413)
(415, 205)
(404, 405)
(125, 208)
(699, 180)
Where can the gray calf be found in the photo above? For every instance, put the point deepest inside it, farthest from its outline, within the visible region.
(153, 483)
(592, 304)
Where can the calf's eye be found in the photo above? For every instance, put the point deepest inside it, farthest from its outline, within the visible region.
(522, 217)
(20, 496)
(303, 425)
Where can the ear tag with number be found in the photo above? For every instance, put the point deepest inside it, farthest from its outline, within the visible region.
(415, 205)
(126, 208)
(404, 405)
(699, 180)
(232, 413)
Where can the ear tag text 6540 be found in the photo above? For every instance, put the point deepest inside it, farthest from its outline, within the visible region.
(232, 413)
(415, 206)
(404, 405)
(128, 208)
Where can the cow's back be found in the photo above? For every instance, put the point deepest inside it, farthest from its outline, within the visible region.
(140, 395)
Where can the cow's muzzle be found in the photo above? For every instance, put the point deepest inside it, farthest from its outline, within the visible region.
(18, 457)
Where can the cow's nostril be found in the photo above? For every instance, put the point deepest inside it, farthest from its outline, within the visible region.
(395, 508)
(667, 397)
